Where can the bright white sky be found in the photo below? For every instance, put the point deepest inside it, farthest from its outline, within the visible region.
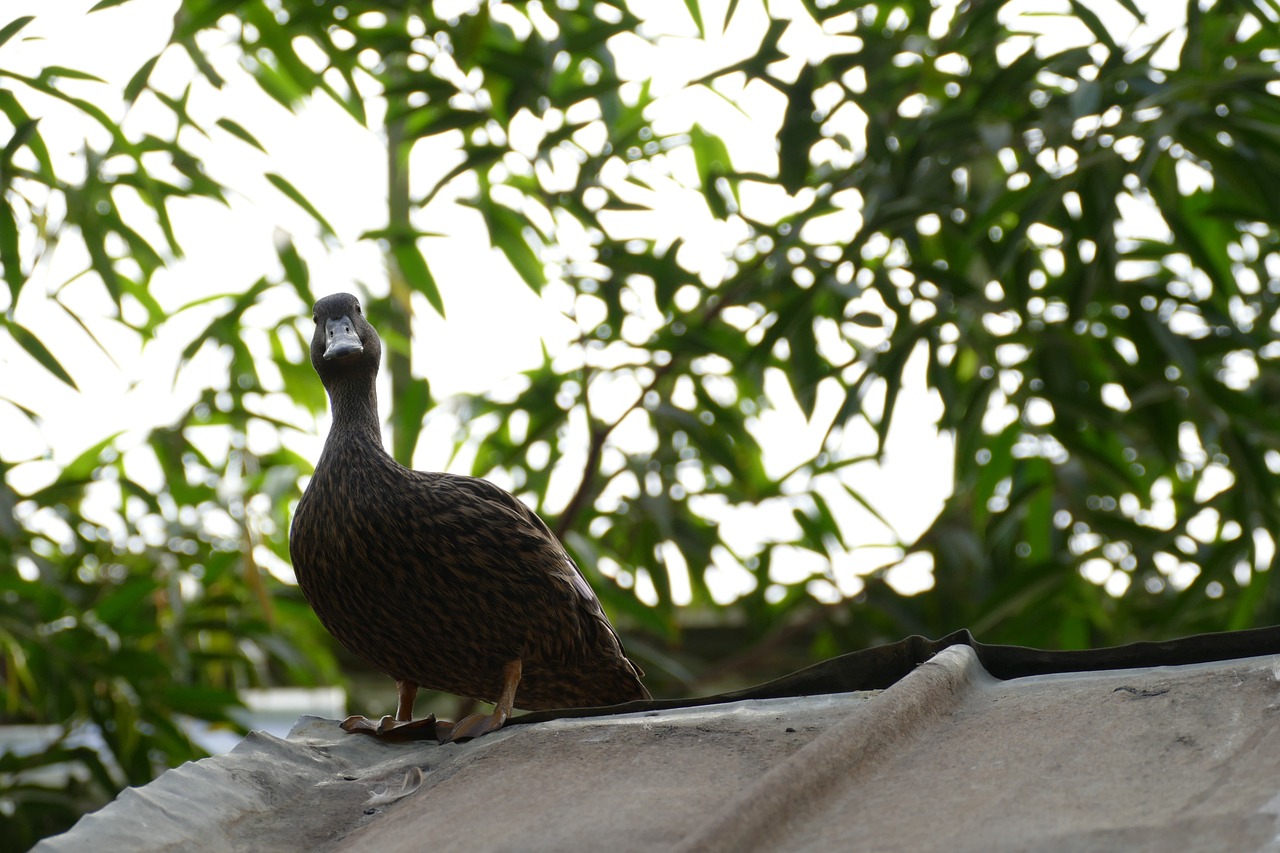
(340, 168)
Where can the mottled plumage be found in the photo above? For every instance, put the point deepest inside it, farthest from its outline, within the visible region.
(438, 580)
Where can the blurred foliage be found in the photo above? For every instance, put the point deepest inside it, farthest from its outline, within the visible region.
(130, 607)
(1077, 243)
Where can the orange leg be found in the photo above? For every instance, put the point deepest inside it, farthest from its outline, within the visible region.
(406, 692)
(481, 724)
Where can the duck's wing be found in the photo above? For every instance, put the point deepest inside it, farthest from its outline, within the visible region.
(522, 540)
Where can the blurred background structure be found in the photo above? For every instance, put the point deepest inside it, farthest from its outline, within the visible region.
(807, 324)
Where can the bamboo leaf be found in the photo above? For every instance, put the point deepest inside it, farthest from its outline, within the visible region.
(52, 72)
(140, 79)
(39, 352)
(240, 133)
(728, 15)
(75, 318)
(798, 133)
(295, 270)
(11, 253)
(18, 117)
(11, 29)
(80, 469)
(505, 230)
(695, 12)
(413, 267)
(411, 408)
(301, 201)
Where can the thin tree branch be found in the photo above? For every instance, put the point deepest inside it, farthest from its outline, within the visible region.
(600, 435)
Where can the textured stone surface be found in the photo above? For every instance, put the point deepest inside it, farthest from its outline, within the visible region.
(949, 758)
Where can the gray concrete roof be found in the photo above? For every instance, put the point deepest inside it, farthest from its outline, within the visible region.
(948, 758)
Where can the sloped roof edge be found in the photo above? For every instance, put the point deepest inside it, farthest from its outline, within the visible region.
(879, 667)
(799, 763)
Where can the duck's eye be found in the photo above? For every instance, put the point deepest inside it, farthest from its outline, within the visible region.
(358, 311)
(315, 319)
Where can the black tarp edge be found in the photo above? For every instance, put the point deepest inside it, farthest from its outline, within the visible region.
(879, 667)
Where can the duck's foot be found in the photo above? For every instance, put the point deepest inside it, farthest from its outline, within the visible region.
(392, 729)
(481, 724)
(470, 727)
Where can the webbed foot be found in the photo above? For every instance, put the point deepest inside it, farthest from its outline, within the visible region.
(358, 723)
(481, 724)
(470, 727)
(392, 729)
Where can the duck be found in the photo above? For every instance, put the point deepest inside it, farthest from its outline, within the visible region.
(440, 581)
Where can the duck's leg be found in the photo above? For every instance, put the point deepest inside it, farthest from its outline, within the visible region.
(406, 692)
(481, 724)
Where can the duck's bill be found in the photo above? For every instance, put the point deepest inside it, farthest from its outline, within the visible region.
(341, 339)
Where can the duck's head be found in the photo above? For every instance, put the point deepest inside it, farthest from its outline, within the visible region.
(344, 344)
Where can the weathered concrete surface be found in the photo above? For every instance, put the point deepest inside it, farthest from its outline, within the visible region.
(1168, 758)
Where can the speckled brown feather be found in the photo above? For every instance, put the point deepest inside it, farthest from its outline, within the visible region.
(440, 579)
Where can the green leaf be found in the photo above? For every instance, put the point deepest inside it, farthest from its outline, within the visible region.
(31, 415)
(279, 86)
(299, 199)
(413, 267)
(506, 231)
(84, 327)
(41, 84)
(695, 12)
(18, 117)
(50, 72)
(1095, 25)
(728, 15)
(80, 469)
(1132, 8)
(11, 253)
(396, 233)
(156, 315)
(38, 351)
(711, 155)
(798, 133)
(411, 407)
(295, 270)
(139, 80)
(10, 29)
(202, 62)
(21, 134)
(240, 133)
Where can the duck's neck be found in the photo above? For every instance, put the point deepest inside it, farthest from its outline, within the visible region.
(355, 418)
